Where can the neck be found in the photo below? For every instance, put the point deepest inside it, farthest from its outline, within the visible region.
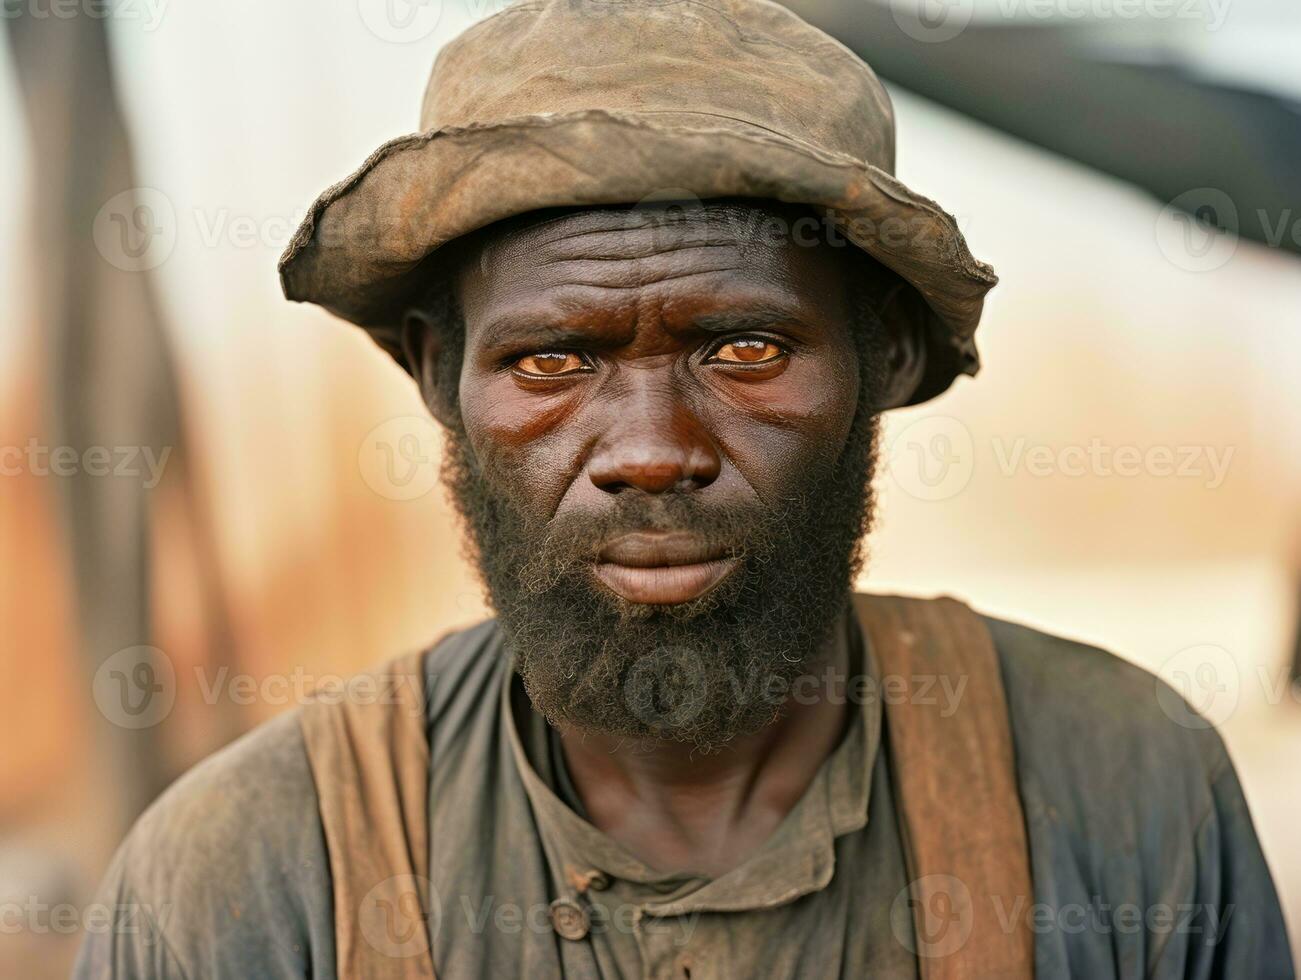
(678, 809)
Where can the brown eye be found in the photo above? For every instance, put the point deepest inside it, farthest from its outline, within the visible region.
(750, 350)
(550, 364)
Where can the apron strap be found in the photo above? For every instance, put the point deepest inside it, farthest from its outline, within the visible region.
(369, 756)
(955, 785)
(954, 776)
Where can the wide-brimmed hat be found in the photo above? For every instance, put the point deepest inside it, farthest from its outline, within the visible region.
(559, 103)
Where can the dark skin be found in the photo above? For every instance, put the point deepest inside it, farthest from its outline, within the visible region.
(707, 356)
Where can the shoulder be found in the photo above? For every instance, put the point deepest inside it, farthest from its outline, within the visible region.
(227, 872)
(228, 869)
(1080, 697)
(1131, 799)
(256, 797)
(1105, 749)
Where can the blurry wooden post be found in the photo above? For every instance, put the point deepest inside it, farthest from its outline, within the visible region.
(109, 379)
(1296, 646)
(1295, 675)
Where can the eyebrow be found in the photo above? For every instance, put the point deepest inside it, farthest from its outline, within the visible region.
(740, 321)
(505, 333)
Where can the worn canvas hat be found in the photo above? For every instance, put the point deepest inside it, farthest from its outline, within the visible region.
(556, 103)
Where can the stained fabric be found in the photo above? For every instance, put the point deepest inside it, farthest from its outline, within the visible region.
(1144, 858)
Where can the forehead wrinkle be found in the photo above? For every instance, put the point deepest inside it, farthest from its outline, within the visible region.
(613, 220)
(637, 276)
(631, 252)
(632, 243)
(604, 235)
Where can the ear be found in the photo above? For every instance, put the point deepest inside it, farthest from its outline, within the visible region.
(427, 349)
(903, 320)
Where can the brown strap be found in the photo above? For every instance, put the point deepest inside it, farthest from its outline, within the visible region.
(955, 785)
(962, 825)
(369, 755)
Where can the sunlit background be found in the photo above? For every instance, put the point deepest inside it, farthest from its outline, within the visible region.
(1125, 470)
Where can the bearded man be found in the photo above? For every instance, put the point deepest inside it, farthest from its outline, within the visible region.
(650, 269)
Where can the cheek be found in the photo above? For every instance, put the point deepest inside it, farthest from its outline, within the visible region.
(776, 431)
(521, 440)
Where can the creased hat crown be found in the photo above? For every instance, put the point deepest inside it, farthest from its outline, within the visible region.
(747, 61)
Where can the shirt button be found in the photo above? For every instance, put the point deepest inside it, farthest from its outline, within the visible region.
(569, 919)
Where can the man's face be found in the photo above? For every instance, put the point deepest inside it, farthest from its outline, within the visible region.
(663, 458)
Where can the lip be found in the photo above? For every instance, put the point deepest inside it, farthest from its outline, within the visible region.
(661, 569)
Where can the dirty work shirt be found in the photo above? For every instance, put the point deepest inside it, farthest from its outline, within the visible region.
(784, 912)
(1144, 859)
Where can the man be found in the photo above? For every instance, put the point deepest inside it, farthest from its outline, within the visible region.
(650, 270)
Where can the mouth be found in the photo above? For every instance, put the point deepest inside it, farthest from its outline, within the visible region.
(662, 569)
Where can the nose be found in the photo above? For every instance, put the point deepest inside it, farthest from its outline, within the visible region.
(656, 445)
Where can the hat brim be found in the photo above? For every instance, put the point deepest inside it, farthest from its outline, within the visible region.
(360, 251)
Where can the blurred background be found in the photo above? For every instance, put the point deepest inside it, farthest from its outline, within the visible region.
(212, 500)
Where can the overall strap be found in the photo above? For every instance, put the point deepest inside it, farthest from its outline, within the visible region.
(955, 786)
(369, 756)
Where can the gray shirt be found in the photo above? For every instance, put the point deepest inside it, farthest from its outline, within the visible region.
(1143, 855)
